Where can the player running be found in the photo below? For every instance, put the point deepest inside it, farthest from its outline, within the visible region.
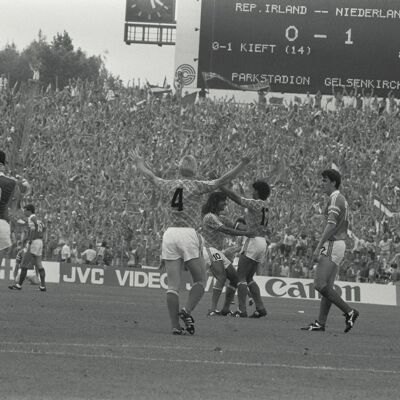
(181, 243)
(253, 248)
(214, 231)
(34, 250)
(330, 252)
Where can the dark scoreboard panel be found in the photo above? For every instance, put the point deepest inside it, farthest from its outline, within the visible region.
(302, 45)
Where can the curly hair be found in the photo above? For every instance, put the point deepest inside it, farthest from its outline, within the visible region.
(212, 202)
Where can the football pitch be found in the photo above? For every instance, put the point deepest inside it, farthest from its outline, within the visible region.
(99, 342)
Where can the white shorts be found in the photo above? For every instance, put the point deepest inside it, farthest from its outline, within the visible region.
(5, 234)
(184, 243)
(254, 248)
(334, 250)
(36, 247)
(211, 254)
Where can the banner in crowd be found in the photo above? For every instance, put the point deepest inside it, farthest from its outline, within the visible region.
(278, 287)
(207, 76)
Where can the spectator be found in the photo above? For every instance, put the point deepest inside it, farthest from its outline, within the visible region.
(384, 249)
(297, 270)
(351, 274)
(288, 243)
(104, 255)
(65, 253)
(132, 259)
(3, 83)
(74, 253)
(67, 128)
(301, 245)
(285, 269)
(89, 255)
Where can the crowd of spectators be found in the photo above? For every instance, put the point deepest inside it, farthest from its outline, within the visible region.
(70, 149)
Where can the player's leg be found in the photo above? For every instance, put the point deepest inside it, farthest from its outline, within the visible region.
(15, 272)
(323, 275)
(190, 245)
(5, 240)
(218, 271)
(2, 255)
(25, 262)
(331, 256)
(173, 261)
(211, 261)
(230, 289)
(36, 251)
(42, 273)
(255, 291)
(326, 267)
(174, 271)
(242, 272)
(197, 269)
(253, 256)
(326, 304)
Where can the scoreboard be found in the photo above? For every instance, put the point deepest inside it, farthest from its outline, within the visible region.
(298, 46)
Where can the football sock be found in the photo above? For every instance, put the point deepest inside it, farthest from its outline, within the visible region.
(333, 296)
(255, 294)
(324, 308)
(42, 275)
(229, 296)
(242, 294)
(22, 276)
(216, 294)
(173, 307)
(195, 295)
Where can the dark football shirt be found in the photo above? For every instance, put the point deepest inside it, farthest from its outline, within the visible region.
(7, 186)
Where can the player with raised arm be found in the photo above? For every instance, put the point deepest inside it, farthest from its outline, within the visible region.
(253, 248)
(329, 253)
(214, 230)
(181, 243)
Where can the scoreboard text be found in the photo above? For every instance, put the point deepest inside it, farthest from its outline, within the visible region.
(302, 45)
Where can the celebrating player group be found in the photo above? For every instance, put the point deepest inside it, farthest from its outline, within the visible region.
(195, 233)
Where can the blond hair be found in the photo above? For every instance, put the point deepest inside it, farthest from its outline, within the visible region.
(188, 166)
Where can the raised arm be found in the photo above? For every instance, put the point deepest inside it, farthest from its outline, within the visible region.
(232, 195)
(138, 160)
(224, 179)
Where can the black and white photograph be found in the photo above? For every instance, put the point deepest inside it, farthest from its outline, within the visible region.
(199, 199)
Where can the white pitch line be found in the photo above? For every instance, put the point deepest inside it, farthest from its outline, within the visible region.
(189, 348)
(182, 361)
(101, 345)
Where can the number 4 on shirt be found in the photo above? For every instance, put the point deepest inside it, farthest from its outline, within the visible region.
(177, 199)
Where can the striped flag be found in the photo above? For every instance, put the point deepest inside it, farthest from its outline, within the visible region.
(189, 99)
(254, 87)
(383, 208)
(276, 100)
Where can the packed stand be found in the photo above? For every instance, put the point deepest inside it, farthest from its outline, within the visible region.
(70, 150)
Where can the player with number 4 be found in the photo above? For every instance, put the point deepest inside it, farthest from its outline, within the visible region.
(253, 248)
(181, 243)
